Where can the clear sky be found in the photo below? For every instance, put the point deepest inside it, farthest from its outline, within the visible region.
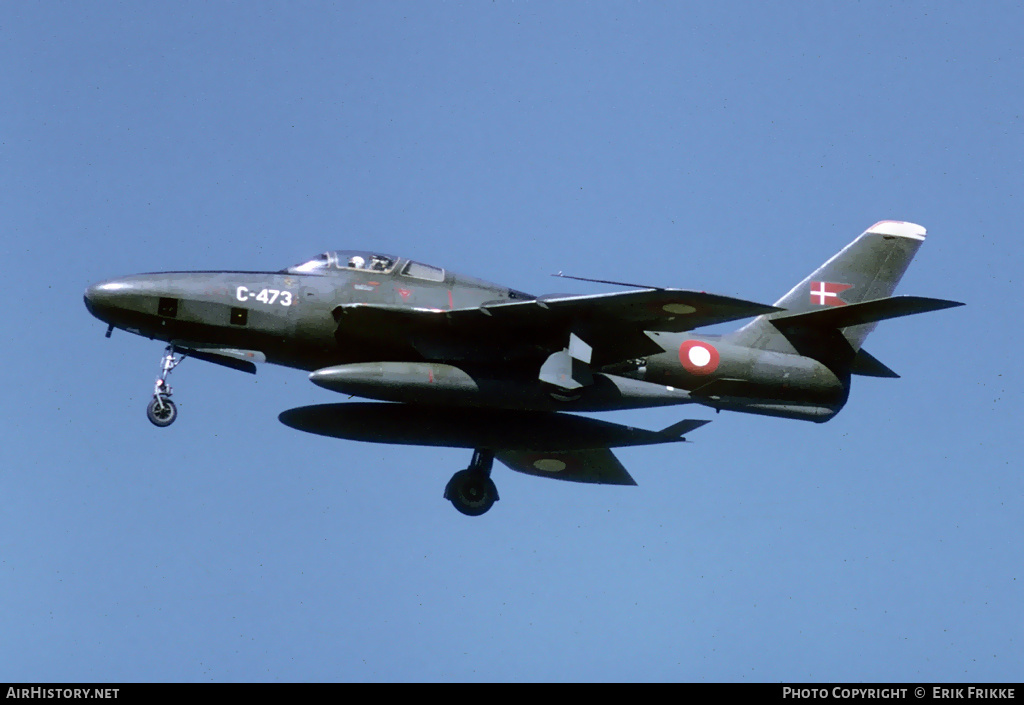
(728, 147)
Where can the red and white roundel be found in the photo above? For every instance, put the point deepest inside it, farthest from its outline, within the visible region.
(698, 358)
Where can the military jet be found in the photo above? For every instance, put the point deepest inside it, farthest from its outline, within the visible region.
(482, 366)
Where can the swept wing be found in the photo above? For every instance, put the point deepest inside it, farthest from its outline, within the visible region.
(556, 445)
(612, 324)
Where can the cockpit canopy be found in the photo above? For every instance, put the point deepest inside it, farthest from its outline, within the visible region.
(353, 260)
(346, 259)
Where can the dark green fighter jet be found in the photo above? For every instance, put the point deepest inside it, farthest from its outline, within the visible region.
(493, 369)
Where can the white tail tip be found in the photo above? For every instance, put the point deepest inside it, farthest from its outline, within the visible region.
(898, 228)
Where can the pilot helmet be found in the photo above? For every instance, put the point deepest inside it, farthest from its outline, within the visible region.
(356, 262)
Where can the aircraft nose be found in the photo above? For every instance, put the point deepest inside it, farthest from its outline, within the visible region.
(103, 297)
(91, 293)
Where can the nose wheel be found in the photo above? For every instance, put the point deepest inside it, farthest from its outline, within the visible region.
(161, 410)
(471, 491)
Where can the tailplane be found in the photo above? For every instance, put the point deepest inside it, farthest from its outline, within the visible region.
(830, 313)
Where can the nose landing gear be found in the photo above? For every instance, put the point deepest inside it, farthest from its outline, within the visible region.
(472, 491)
(161, 410)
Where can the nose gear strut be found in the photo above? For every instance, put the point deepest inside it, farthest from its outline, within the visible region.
(161, 410)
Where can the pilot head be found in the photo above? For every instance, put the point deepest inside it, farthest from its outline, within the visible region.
(356, 262)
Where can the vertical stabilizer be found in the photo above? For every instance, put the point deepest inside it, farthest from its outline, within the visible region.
(868, 268)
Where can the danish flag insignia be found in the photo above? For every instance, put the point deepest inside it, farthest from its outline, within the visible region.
(827, 293)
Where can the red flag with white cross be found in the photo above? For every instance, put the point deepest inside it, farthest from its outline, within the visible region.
(827, 293)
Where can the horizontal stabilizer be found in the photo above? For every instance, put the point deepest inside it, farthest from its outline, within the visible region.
(861, 313)
(844, 298)
(867, 365)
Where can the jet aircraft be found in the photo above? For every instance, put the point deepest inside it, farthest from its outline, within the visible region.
(482, 366)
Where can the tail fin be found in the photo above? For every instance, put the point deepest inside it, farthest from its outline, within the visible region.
(867, 269)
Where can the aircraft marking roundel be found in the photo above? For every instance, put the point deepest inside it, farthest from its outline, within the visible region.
(549, 465)
(698, 357)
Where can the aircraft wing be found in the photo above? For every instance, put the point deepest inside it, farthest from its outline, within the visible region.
(648, 309)
(592, 465)
(612, 324)
(555, 445)
(597, 465)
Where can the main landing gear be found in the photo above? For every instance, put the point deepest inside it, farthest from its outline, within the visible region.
(472, 491)
(161, 410)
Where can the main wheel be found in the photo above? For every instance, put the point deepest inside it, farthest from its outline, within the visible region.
(161, 412)
(472, 493)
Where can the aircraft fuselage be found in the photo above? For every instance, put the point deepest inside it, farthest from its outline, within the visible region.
(290, 319)
(286, 316)
(483, 366)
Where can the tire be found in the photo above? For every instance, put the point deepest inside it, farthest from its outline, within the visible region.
(472, 493)
(161, 412)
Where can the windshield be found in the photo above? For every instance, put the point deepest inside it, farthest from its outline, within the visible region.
(317, 264)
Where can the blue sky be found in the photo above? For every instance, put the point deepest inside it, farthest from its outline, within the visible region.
(727, 147)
